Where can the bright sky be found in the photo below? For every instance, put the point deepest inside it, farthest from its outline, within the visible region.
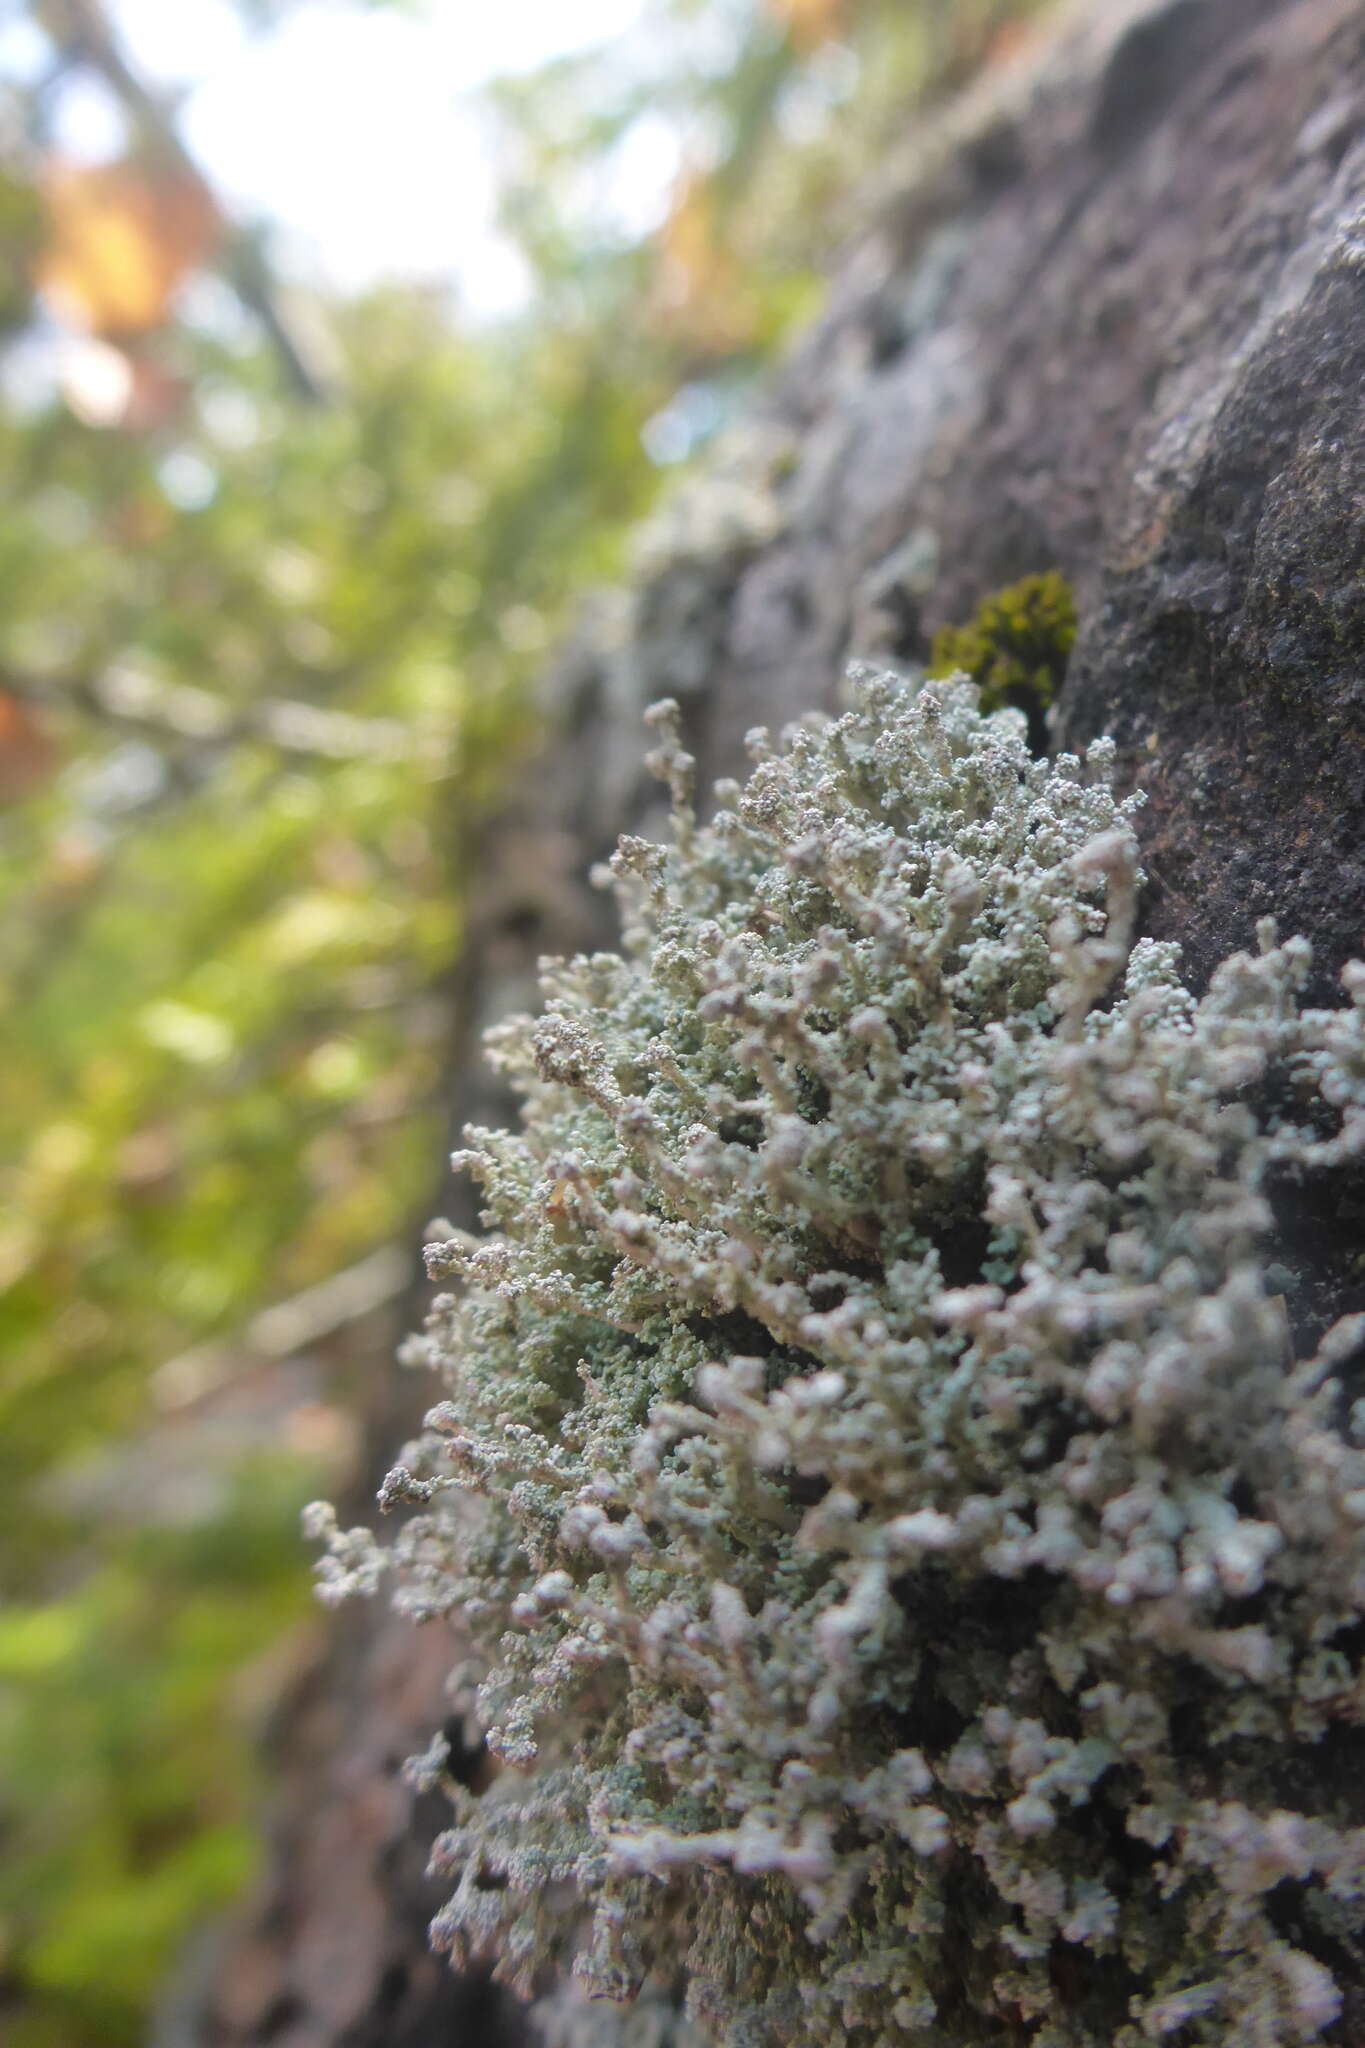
(351, 129)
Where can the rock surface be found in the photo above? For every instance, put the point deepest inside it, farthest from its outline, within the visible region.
(1108, 319)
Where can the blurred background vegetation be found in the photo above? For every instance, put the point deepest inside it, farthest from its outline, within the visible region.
(281, 550)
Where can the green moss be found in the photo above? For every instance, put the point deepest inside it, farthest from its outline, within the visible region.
(1017, 647)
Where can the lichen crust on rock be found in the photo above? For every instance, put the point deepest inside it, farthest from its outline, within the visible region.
(908, 1534)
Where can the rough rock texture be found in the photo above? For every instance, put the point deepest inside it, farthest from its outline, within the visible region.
(1109, 320)
(1120, 333)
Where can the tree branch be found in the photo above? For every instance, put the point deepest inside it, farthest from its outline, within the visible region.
(82, 34)
(286, 1329)
(177, 712)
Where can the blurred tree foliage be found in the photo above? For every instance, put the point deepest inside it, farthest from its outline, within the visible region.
(263, 663)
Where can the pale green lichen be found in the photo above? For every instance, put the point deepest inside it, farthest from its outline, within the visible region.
(914, 1585)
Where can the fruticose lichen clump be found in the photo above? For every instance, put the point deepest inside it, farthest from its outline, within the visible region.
(915, 1577)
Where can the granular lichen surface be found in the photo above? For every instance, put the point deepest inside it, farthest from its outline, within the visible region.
(909, 1558)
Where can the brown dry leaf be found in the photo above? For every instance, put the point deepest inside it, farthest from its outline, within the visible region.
(120, 238)
(27, 756)
(149, 1162)
(701, 297)
(1010, 42)
(76, 859)
(810, 22)
(139, 522)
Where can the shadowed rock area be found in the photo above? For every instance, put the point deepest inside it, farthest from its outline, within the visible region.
(1107, 318)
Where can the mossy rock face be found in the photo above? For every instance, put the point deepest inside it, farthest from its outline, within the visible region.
(1016, 648)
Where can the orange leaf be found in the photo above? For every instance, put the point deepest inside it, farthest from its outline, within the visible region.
(810, 22)
(120, 239)
(700, 295)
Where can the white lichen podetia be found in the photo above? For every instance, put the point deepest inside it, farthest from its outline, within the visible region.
(909, 1558)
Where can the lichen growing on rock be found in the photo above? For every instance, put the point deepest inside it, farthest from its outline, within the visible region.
(915, 1569)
